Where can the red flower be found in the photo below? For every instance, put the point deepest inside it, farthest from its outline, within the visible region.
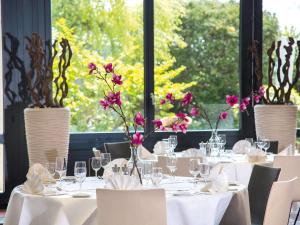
(92, 67)
(257, 98)
(139, 119)
(195, 111)
(182, 116)
(246, 101)
(261, 91)
(117, 79)
(162, 101)
(170, 97)
(243, 107)
(108, 68)
(114, 98)
(223, 115)
(183, 127)
(187, 99)
(137, 139)
(231, 100)
(104, 103)
(158, 124)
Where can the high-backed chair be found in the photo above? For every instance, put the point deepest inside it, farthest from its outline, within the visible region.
(129, 207)
(118, 150)
(279, 203)
(259, 188)
(182, 165)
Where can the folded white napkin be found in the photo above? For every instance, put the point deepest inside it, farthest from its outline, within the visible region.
(289, 150)
(217, 185)
(145, 154)
(160, 148)
(241, 147)
(123, 182)
(192, 152)
(108, 168)
(37, 176)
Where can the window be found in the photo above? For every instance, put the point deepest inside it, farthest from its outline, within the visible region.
(196, 47)
(279, 23)
(101, 32)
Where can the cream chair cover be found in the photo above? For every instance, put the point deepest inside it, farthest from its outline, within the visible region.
(131, 207)
(182, 165)
(290, 168)
(279, 202)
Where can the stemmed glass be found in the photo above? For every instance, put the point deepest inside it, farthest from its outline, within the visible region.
(61, 167)
(173, 142)
(96, 165)
(80, 172)
(222, 142)
(156, 175)
(266, 144)
(204, 170)
(51, 168)
(105, 159)
(194, 169)
(171, 164)
(260, 143)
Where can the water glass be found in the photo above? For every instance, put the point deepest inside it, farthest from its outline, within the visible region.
(194, 168)
(173, 142)
(96, 165)
(204, 170)
(171, 164)
(148, 167)
(156, 176)
(203, 148)
(61, 166)
(222, 142)
(80, 172)
(51, 168)
(105, 159)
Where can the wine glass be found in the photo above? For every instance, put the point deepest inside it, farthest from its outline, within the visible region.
(194, 168)
(96, 165)
(156, 175)
(105, 159)
(204, 170)
(80, 172)
(61, 166)
(266, 144)
(148, 167)
(171, 164)
(222, 142)
(173, 142)
(260, 143)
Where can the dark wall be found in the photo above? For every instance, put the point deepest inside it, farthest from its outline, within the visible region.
(20, 18)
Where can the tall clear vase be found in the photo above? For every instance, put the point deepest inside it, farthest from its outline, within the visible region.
(214, 144)
(134, 163)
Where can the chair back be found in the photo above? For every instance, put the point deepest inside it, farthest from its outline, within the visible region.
(118, 150)
(183, 164)
(290, 168)
(259, 188)
(129, 207)
(279, 203)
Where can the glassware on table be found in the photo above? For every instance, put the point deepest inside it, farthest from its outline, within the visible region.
(157, 175)
(222, 142)
(148, 167)
(250, 140)
(80, 172)
(172, 142)
(194, 168)
(105, 159)
(171, 164)
(204, 170)
(96, 165)
(51, 168)
(266, 144)
(203, 148)
(61, 166)
(260, 143)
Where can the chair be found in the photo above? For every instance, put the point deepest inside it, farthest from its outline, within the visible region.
(129, 207)
(183, 164)
(279, 203)
(118, 150)
(259, 187)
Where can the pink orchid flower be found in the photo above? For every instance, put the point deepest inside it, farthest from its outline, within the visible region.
(183, 127)
(257, 98)
(104, 103)
(231, 100)
(243, 107)
(246, 101)
(170, 97)
(182, 116)
(261, 91)
(174, 127)
(187, 99)
(137, 139)
(117, 79)
(108, 68)
(158, 124)
(139, 119)
(162, 101)
(92, 67)
(223, 115)
(195, 111)
(114, 98)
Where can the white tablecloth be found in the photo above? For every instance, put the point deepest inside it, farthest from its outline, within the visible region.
(25, 209)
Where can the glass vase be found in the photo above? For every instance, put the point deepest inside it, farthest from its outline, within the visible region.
(214, 144)
(134, 163)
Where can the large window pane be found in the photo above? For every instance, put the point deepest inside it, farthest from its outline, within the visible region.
(101, 32)
(279, 23)
(197, 49)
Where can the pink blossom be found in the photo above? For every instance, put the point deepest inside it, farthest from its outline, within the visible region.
(246, 101)
(158, 124)
(139, 119)
(108, 68)
(223, 115)
(170, 97)
(114, 98)
(257, 98)
(231, 100)
(104, 103)
(174, 127)
(183, 127)
(117, 79)
(195, 111)
(137, 139)
(187, 99)
(243, 107)
(182, 116)
(261, 91)
(162, 101)
(92, 67)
